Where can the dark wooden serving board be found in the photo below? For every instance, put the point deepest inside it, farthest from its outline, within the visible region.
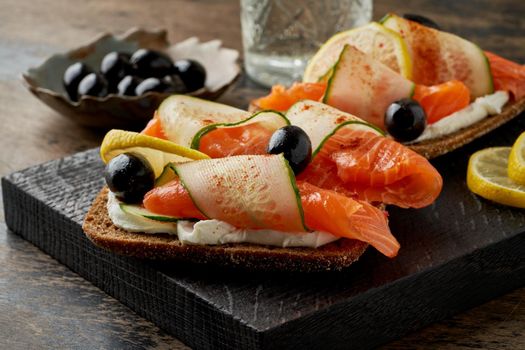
(455, 254)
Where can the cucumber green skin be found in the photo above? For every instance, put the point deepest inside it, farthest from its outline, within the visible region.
(174, 168)
(326, 76)
(166, 176)
(195, 142)
(129, 209)
(487, 62)
(385, 18)
(170, 173)
(332, 73)
(291, 175)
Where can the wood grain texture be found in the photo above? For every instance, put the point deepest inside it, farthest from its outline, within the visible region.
(42, 304)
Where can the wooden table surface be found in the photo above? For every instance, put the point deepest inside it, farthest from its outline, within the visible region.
(42, 303)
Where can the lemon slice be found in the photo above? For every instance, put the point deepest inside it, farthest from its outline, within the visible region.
(487, 177)
(382, 44)
(517, 160)
(158, 152)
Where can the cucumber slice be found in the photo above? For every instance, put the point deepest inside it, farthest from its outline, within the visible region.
(438, 56)
(271, 120)
(257, 192)
(321, 121)
(167, 175)
(364, 87)
(138, 210)
(183, 116)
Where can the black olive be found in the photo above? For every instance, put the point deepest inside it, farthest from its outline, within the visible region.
(115, 66)
(127, 86)
(294, 143)
(93, 84)
(177, 83)
(153, 84)
(72, 77)
(192, 73)
(427, 22)
(405, 119)
(149, 63)
(129, 176)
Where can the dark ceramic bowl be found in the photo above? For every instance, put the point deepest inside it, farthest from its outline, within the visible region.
(113, 111)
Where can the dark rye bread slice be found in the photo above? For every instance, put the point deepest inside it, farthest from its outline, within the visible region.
(333, 256)
(439, 146)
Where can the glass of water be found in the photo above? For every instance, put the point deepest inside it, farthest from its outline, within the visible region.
(279, 36)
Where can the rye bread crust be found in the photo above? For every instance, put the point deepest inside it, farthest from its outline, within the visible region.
(439, 146)
(333, 256)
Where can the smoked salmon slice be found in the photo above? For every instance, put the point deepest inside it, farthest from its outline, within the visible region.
(329, 211)
(324, 210)
(373, 168)
(226, 142)
(154, 128)
(507, 75)
(280, 98)
(172, 199)
(438, 101)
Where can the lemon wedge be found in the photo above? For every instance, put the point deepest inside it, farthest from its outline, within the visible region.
(375, 40)
(158, 152)
(487, 177)
(517, 160)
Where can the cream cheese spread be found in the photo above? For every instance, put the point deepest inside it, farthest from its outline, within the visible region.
(473, 113)
(214, 232)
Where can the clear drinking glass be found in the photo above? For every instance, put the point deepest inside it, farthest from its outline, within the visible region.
(279, 36)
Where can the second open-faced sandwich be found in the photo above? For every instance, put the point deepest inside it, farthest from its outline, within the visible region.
(431, 90)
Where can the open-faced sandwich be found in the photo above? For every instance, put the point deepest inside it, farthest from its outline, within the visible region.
(301, 191)
(429, 89)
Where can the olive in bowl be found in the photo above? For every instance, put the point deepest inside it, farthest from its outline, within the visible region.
(127, 86)
(192, 74)
(73, 76)
(150, 63)
(134, 75)
(118, 109)
(154, 84)
(93, 84)
(115, 66)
